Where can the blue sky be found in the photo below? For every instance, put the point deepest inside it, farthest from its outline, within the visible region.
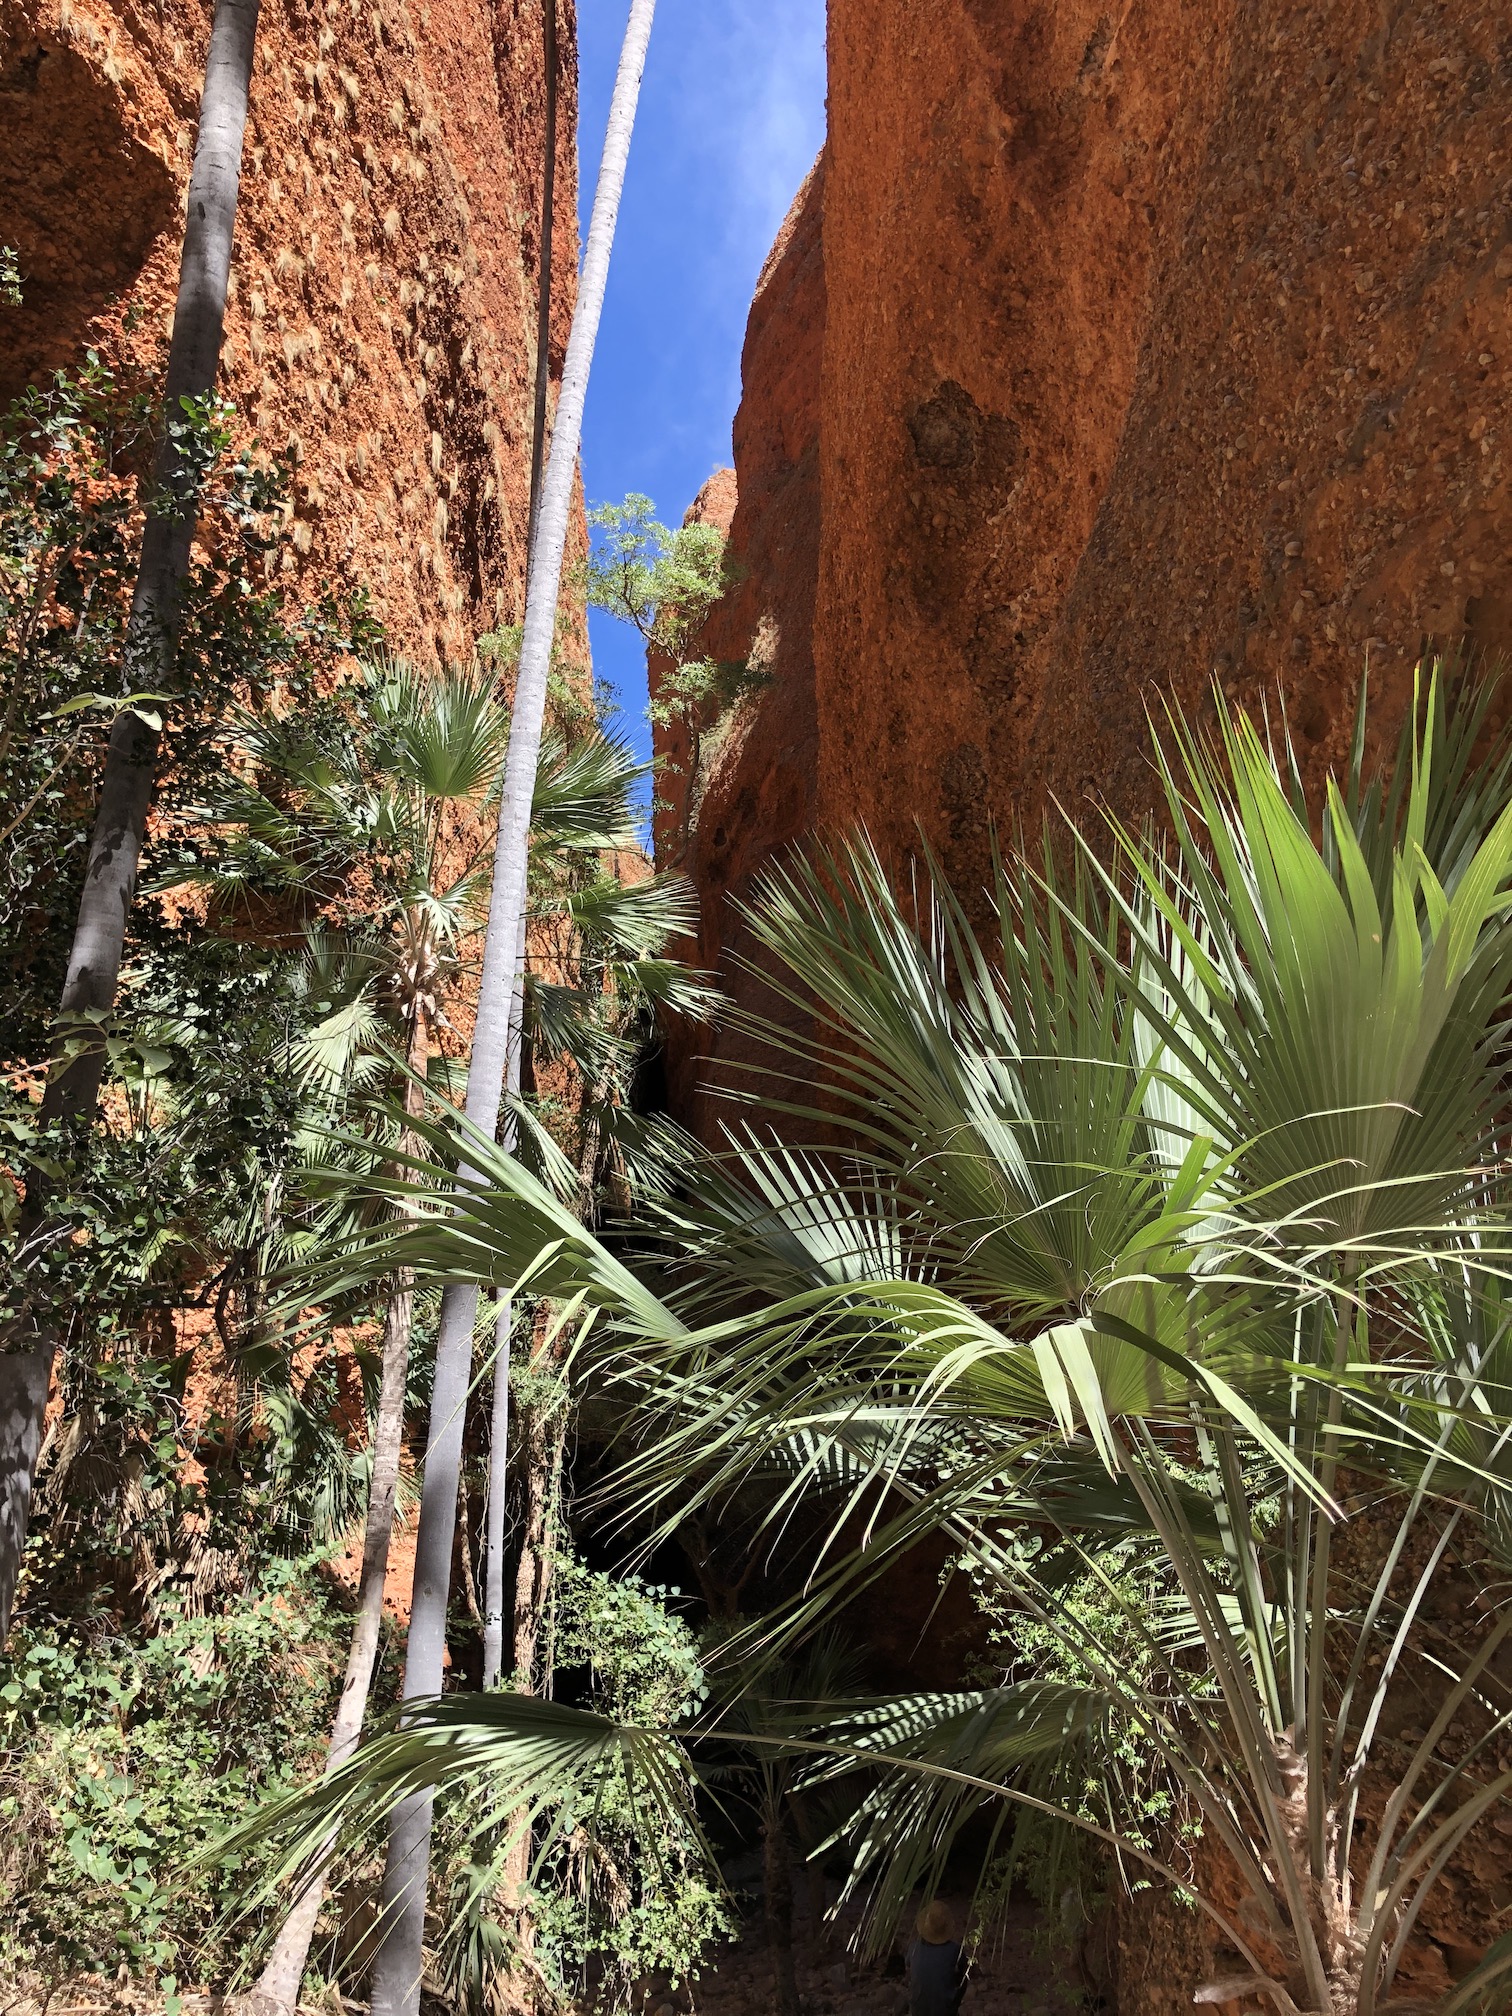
(731, 117)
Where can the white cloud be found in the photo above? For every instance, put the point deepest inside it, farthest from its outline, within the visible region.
(749, 89)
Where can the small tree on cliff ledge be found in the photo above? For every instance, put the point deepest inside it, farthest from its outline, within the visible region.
(664, 583)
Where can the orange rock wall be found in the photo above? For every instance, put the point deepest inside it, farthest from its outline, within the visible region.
(1163, 341)
(1119, 348)
(382, 331)
(1158, 342)
(758, 783)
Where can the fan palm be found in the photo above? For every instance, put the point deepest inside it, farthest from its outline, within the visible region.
(385, 792)
(396, 1974)
(1163, 1257)
(388, 803)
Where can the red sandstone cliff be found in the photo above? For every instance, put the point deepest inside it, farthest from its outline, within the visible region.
(1116, 348)
(382, 330)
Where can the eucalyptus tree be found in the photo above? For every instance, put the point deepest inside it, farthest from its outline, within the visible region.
(131, 760)
(168, 531)
(664, 583)
(1161, 1269)
(397, 1968)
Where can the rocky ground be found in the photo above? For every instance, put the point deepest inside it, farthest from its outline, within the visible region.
(1019, 1972)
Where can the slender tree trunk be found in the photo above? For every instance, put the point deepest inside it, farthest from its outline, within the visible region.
(498, 1438)
(24, 1379)
(94, 960)
(540, 1438)
(280, 1980)
(498, 1480)
(777, 1887)
(397, 1969)
(543, 279)
(542, 1432)
(152, 634)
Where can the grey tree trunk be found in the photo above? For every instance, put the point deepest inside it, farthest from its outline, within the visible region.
(279, 1983)
(24, 1378)
(397, 1968)
(498, 1433)
(498, 1479)
(152, 634)
(115, 847)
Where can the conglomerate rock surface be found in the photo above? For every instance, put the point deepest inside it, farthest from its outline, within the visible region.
(1111, 353)
(1113, 350)
(381, 333)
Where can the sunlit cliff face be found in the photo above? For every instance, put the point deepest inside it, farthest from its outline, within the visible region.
(381, 334)
(1115, 351)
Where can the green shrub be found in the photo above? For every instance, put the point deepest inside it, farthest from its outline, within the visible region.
(122, 1763)
(616, 1895)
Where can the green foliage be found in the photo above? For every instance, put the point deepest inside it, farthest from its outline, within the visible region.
(573, 708)
(1151, 1253)
(664, 583)
(185, 1205)
(122, 1762)
(183, 1197)
(641, 1658)
(72, 492)
(314, 890)
(1119, 1783)
(67, 559)
(10, 278)
(626, 1896)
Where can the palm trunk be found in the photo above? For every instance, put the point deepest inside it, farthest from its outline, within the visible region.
(541, 1437)
(94, 960)
(542, 1433)
(396, 1972)
(498, 1437)
(777, 1887)
(498, 1478)
(284, 1971)
(543, 279)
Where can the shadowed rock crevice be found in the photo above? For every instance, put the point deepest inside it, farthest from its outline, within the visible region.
(81, 204)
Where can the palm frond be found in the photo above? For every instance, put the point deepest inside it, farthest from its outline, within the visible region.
(583, 795)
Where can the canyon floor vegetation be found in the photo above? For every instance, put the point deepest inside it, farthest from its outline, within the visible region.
(1132, 1233)
(309, 923)
(1149, 1249)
